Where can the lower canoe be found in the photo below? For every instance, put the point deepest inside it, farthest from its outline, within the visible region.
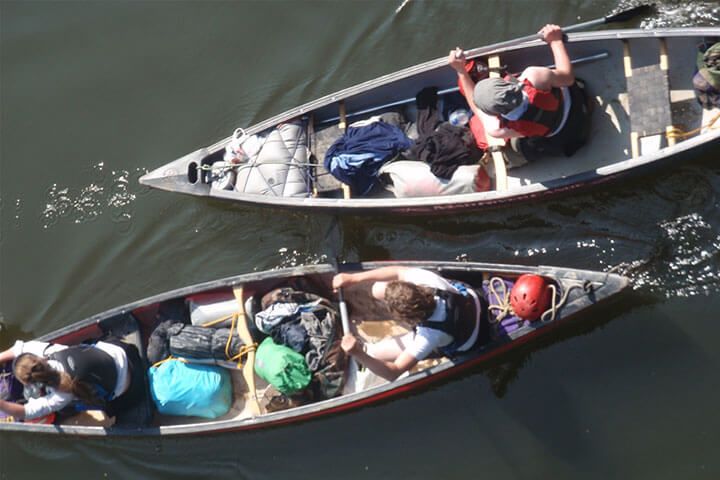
(582, 290)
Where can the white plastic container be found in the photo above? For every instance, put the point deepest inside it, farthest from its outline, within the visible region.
(459, 117)
(204, 311)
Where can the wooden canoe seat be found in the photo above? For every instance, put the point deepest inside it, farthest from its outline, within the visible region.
(648, 90)
(324, 183)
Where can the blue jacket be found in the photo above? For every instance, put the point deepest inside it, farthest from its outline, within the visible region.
(356, 157)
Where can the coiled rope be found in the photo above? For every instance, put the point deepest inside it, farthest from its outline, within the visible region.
(242, 351)
(502, 302)
(502, 305)
(676, 132)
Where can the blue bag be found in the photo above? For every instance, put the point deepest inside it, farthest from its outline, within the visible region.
(186, 389)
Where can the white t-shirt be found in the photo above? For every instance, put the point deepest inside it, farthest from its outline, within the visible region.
(424, 340)
(55, 400)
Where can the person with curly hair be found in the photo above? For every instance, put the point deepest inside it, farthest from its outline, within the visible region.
(444, 317)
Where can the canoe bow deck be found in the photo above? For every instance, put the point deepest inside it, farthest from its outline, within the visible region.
(609, 154)
(585, 289)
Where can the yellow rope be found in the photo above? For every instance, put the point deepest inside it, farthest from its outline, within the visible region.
(219, 320)
(229, 340)
(170, 357)
(229, 356)
(676, 132)
(242, 351)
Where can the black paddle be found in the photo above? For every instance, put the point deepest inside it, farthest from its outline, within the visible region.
(621, 16)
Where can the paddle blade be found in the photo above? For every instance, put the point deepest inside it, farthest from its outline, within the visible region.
(625, 15)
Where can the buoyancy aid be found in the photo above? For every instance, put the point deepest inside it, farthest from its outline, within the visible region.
(544, 114)
(91, 365)
(460, 316)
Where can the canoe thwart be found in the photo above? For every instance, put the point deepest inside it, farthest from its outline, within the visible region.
(343, 116)
(496, 145)
(494, 65)
(248, 369)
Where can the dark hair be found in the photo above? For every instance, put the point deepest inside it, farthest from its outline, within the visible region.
(29, 368)
(413, 303)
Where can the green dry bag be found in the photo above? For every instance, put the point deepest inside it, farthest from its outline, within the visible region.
(281, 367)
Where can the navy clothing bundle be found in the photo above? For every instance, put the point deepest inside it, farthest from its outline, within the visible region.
(356, 157)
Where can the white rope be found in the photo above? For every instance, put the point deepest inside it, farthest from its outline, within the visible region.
(504, 309)
(556, 305)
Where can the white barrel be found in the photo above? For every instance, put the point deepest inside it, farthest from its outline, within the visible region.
(202, 313)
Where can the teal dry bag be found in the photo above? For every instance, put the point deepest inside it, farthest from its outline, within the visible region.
(186, 389)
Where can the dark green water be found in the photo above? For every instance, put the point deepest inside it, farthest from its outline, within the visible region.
(93, 94)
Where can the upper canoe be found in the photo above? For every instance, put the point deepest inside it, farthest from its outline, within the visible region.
(600, 59)
(576, 291)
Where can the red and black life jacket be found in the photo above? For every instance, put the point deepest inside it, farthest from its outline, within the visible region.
(543, 115)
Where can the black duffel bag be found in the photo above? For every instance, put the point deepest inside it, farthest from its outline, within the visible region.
(203, 343)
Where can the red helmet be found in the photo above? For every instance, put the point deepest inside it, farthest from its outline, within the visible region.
(530, 296)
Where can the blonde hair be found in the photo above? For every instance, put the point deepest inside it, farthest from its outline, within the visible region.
(30, 368)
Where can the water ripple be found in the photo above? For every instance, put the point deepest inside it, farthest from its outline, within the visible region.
(103, 194)
(679, 13)
(685, 261)
(295, 258)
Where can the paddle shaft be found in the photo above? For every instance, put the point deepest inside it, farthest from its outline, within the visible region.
(343, 312)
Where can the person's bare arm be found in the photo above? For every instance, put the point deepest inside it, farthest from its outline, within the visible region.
(562, 75)
(12, 408)
(7, 355)
(503, 132)
(386, 369)
(382, 274)
(456, 60)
